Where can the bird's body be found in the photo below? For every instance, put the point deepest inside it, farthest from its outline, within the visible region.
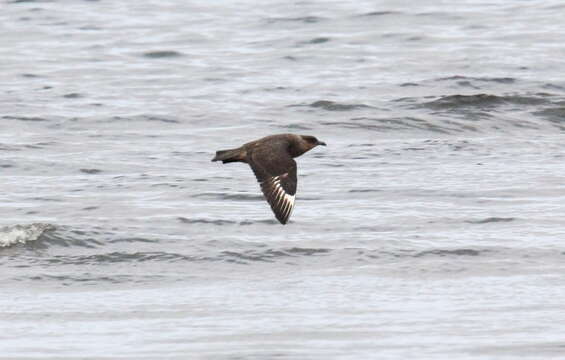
(272, 160)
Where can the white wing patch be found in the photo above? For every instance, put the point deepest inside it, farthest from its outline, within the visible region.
(282, 202)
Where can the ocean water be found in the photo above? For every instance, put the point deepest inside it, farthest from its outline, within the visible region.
(432, 226)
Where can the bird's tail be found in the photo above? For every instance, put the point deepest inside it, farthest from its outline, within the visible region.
(227, 156)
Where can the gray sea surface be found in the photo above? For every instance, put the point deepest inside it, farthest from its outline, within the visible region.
(432, 226)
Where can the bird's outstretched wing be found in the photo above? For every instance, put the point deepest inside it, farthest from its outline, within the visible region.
(276, 172)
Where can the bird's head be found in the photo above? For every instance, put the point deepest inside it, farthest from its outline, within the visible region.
(311, 141)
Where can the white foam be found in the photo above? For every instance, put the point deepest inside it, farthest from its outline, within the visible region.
(20, 234)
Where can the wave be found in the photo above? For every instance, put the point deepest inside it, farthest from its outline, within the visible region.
(206, 221)
(500, 80)
(318, 40)
(21, 234)
(333, 106)
(382, 13)
(221, 222)
(91, 279)
(491, 220)
(242, 257)
(483, 101)
(450, 114)
(159, 54)
(477, 113)
(42, 236)
(287, 255)
(302, 19)
(24, 118)
(555, 115)
(397, 124)
(226, 196)
(118, 257)
(269, 255)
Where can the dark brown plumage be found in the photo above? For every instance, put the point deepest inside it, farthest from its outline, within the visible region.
(271, 159)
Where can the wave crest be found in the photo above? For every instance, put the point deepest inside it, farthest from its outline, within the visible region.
(21, 234)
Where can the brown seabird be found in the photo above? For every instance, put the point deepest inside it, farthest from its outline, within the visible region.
(271, 159)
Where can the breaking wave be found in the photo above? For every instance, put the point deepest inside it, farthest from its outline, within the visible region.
(21, 234)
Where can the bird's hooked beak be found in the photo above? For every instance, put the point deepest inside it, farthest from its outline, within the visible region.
(321, 143)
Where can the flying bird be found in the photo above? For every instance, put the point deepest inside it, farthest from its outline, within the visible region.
(271, 159)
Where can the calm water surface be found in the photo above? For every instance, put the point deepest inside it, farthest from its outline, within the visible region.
(431, 227)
